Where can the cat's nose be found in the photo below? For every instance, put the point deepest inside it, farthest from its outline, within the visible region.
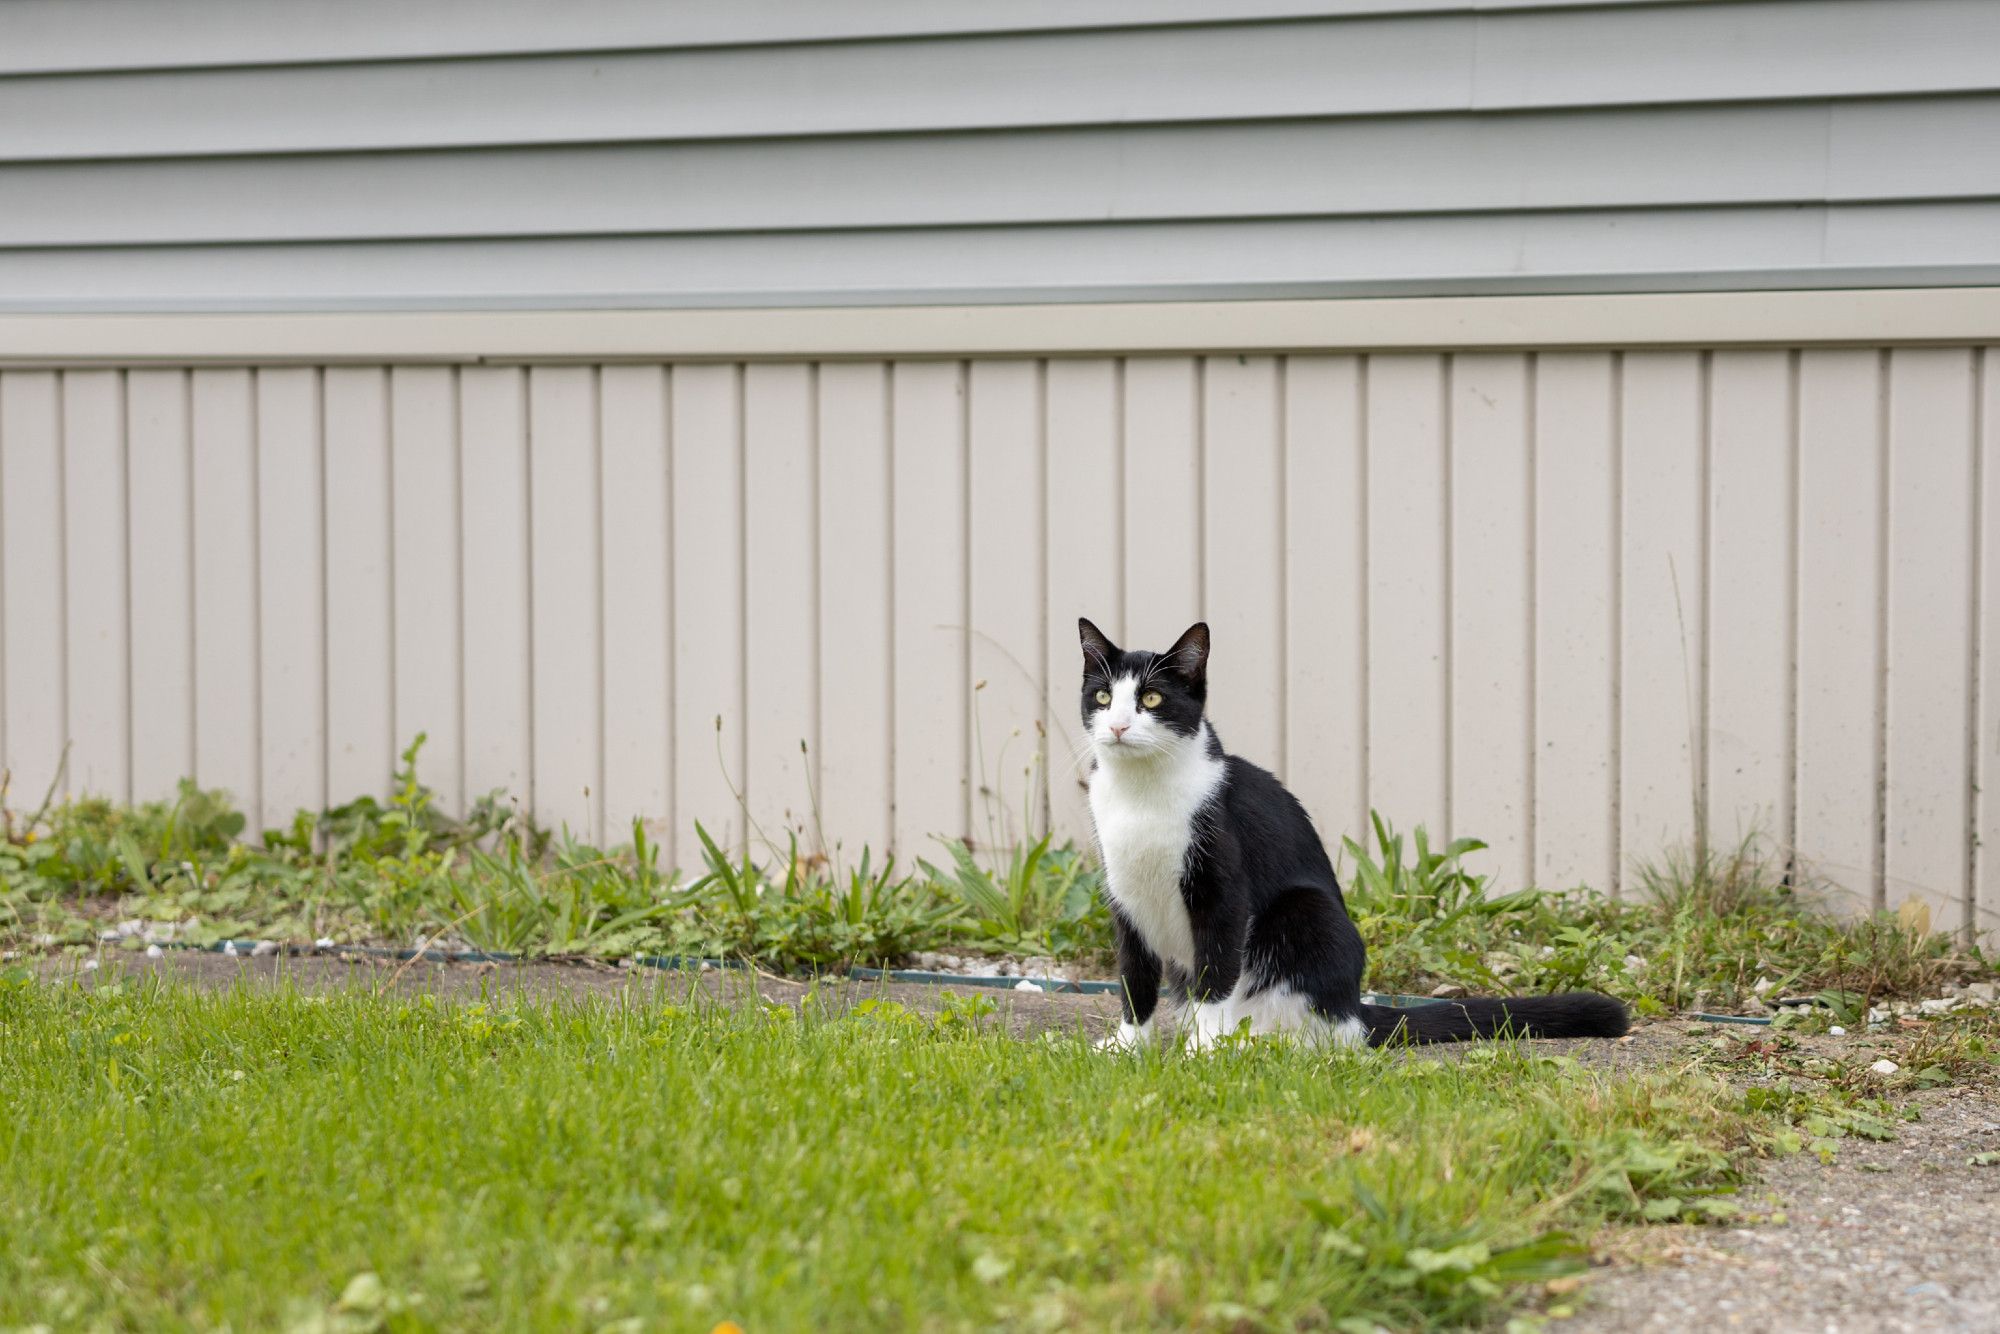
(1118, 733)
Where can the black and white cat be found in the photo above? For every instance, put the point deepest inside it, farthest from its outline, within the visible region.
(1221, 890)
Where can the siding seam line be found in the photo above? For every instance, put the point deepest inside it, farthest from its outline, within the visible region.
(125, 551)
(61, 442)
(1884, 519)
(1364, 373)
(1532, 429)
(256, 381)
(388, 378)
(1616, 612)
(670, 828)
(1969, 906)
(1044, 719)
(893, 828)
(1698, 761)
(1287, 668)
(457, 515)
(962, 374)
(1447, 379)
(1794, 595)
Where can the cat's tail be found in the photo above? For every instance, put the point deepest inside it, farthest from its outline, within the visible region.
(1572, 1014)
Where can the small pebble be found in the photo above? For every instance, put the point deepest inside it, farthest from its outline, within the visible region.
(323, 943)
(1025, 985)
(1885, 1066)
(155, 952)
(229, 947)
(1836, 1031)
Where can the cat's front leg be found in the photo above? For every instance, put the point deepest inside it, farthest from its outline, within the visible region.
(1139, 974)
(1219, 925)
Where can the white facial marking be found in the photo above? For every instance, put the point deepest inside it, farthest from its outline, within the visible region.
(1119, 726)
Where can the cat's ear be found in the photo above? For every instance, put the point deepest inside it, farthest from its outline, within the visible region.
(1189, 655)
(1097, 650)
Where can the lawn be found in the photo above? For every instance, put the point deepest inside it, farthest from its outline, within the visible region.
(176, 1159)
(173, 1158)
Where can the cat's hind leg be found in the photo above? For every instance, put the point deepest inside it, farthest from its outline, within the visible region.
(1278, 1010)
(1302, 964)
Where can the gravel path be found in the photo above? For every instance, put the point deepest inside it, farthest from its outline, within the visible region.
(1896, 1236)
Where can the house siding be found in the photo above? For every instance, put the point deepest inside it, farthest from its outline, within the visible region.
(1571, 602)
(805, 154)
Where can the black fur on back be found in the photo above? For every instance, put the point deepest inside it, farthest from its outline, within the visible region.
(1265, 913)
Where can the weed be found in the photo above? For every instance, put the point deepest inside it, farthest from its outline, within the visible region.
(1711, 930)
(1040, 900)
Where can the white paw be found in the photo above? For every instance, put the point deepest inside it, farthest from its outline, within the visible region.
(1205, 1023)
(1129, 1037)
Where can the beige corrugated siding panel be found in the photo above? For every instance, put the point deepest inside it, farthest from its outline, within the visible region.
(1562, 600)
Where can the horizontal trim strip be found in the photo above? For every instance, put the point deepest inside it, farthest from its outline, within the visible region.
(1895, 316)
(1532, 254)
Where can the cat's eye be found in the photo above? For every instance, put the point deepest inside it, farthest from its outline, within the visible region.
(1104, 697)
(1151, 699)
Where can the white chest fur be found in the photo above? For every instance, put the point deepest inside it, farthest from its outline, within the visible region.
(1143, 809)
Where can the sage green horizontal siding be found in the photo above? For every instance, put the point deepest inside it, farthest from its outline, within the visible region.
(871, 150)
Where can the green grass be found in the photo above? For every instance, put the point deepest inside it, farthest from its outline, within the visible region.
(402, 871)
(1695, 932)
(172, 1160)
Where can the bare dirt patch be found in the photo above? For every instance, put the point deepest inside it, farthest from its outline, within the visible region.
(1025, 1013)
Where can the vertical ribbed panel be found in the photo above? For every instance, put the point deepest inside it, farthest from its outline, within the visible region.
(856, 611)
(1575, 603)
(1576, 620)
(1492, 608)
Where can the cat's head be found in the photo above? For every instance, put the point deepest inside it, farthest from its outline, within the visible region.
(1138, 703)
